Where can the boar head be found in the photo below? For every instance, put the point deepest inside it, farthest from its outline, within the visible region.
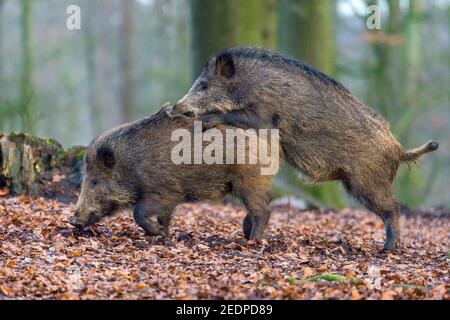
(217, 89)
(104, 189)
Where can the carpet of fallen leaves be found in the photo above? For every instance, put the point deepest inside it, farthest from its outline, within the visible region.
(313, 254)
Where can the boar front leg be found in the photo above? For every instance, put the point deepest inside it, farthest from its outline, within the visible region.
(144, 210)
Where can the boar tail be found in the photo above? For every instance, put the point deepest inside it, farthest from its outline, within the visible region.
(414, 154)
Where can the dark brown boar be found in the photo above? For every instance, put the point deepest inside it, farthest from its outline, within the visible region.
(325, 131)
(130, 167)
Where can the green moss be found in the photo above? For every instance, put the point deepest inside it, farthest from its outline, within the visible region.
(410, 286)
(262, 283)
(332, 278)
(291, 281)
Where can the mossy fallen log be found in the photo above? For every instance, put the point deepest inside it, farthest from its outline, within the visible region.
(28, 162)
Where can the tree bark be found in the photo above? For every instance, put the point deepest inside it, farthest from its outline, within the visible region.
(413, 51)
(127, 29)
(91, 69)
(26, 83)
(255, 23)
(305, 31)
(1, 43)
(212, 30)
(219, 24)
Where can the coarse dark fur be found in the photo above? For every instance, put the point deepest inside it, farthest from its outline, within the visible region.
(325, 131)
(131, 167)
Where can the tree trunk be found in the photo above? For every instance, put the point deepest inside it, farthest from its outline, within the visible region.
(91, 69)
(305, 31)
(412, 186)
(387, 75)
(127, 27)
(26, 83)
(255, 23)
(1, 44)
(212, 30)
(413, 53)
(219, 24)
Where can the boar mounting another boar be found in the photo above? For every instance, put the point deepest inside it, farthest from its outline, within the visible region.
(325, 131)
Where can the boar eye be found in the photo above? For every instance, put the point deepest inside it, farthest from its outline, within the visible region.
(94, 182)
(203, 85)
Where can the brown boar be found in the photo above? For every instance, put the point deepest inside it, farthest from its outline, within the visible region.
(131, 167)
(325, 131)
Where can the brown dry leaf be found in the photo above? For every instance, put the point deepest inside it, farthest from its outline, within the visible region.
(4, 192)
(322, 268)
(355, 294)
(43, 256)
(307, 272)
(388, 295)
(4, 290)
(75, 253)
(90, 291)
(140, 286)
(68, 296)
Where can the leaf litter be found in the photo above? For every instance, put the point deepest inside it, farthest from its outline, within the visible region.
(309, 254)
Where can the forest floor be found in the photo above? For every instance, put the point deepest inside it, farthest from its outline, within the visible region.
(317, 254)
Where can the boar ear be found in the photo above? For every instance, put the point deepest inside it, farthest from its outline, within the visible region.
(106, 156)
(225, 65)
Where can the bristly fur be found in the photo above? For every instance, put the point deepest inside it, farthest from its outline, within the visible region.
(325, 131)
(278, 60)
(131, 166)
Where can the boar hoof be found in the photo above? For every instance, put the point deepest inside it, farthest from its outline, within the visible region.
(155, 229)
(390, 246)
(167, 242)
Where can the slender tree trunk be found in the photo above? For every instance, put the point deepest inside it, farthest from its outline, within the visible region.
(410, 62)
(305, 31)
(255, 22)
(413, 50)
(212, 30)
(127, 28)
(387, 74)
(269, 20)
(91, 69)
(1, 43)
(26, 84)
(221, 24)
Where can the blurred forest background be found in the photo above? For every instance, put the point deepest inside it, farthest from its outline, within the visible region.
(131, 56)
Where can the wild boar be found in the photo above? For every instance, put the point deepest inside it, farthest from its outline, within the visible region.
(325, 131)
(131, 166)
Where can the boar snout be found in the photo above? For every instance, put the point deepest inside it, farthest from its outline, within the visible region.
(182, 109)
(74, 222)
(80, 223)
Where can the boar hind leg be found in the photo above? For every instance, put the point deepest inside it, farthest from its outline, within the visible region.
(143, 213)
(380, 199)
(258, 215)
(247, 225)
